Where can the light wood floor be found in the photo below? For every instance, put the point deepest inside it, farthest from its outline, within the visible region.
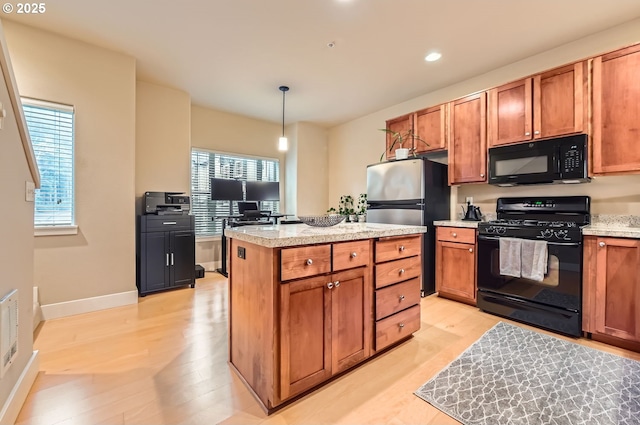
(164, 361)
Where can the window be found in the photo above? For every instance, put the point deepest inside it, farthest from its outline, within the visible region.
(207, 164)
(51, 130)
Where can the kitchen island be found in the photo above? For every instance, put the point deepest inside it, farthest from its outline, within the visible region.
(308, 303)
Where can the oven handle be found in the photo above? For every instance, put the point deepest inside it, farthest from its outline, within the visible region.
(495, 238)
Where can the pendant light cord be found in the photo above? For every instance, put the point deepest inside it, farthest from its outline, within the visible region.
(283, 89)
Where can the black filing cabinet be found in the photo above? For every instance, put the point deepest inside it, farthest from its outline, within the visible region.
(166, 252)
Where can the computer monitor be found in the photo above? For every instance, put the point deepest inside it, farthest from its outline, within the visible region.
(247, 206)
(226, 190)
(263, 191)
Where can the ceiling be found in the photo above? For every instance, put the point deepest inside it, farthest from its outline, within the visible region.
(232, 55)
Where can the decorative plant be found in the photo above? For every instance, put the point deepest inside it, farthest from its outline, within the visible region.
(332, 211)
(362, 204)
(399, 138)
(346, 205)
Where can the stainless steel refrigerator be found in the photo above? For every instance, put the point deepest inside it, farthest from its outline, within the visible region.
(411, 191)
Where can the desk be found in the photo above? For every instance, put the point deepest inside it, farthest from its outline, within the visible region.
(227, 219)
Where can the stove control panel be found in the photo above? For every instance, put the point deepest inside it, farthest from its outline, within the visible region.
(539, 204)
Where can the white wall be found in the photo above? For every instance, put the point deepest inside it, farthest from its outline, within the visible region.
(101, 85)
(312, 170)
(354, 145)
(16, 249)
(163, 140)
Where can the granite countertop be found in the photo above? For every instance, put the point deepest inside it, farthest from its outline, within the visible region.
(456, 223)
(621, 226)
(272, 236)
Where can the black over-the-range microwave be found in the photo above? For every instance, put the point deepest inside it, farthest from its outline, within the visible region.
(559, 160)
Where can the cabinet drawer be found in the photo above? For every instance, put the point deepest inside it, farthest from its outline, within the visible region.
(166, 223)
(394, 248)
(397, 271)
(456, 234)
(396, 327)
(350, 254)
(305, 261)
(395, 298)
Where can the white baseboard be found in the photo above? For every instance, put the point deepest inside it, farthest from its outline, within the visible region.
(20, 391)
(87, 305)
(210, 266)
(37, 311)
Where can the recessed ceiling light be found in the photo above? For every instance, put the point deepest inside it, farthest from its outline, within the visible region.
(431, 57)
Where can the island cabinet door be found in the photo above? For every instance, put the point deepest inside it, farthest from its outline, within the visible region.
(350, 319)
(305, 334)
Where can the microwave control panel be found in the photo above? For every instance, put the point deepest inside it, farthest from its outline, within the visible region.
(572, 162)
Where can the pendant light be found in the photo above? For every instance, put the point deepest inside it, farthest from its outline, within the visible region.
(283, 143)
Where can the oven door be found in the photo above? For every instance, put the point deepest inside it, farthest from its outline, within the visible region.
(525, 163)
(561, 287)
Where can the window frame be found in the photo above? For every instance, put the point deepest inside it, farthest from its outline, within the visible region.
(52, 229)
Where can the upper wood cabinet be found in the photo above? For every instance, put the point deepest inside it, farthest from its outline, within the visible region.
(401, 125)
(552, 103)
(430, 125)
(616, 112)
(468, 139)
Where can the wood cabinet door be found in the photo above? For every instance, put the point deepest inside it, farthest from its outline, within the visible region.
(430, 125)
(618, 288)
(510, 113)
(350, 319)
(401, 125)
(305, 334)
(456, 271)
(560, 101)
(616, 112)
(467, 139)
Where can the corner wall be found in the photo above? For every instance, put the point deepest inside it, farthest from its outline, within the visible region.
(163, 140)
(224, 132)
(101, 85)
(16, 256)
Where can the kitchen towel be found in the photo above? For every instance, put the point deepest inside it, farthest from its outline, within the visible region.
(510, 257)
(533, 259)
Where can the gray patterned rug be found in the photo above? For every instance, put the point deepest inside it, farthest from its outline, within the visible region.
(516, 376)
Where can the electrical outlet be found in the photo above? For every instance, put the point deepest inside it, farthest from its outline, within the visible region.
(469, 199)
(30, 191)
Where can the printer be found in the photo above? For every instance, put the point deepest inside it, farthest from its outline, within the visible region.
(166, 203)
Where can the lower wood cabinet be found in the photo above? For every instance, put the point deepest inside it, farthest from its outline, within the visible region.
(612, 287)
(325, 328)
(456, 263)
(398, 271)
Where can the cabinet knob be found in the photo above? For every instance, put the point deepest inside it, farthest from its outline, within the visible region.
(454, 234)
(354, 254)
(401, 271)
(470, 249)
(309, 261)
(167, 263)
(482, 175)
(602, 244)
(401, 248)
(536, 132)
(336, 283)
(527, 134)
(330, 285)
(401, 325)
(401, 297)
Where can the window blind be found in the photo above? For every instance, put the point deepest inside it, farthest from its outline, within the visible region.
(50, 127)
(207, 164)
